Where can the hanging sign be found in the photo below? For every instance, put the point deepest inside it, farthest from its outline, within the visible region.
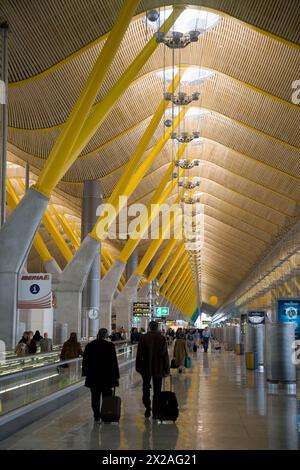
(256, 317)
(34, 291)
(141, 309)
(161, 311)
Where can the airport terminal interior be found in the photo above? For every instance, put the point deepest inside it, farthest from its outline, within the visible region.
(150, 172)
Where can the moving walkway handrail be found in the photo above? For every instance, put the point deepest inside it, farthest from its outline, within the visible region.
(50, 366)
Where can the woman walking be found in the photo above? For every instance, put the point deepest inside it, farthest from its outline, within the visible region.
(180, 352)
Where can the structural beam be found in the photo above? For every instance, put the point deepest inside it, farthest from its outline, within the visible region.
(163, 190)
(162, 260)
(106, 219)
(65, 151)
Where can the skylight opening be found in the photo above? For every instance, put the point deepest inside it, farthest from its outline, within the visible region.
(191, 19)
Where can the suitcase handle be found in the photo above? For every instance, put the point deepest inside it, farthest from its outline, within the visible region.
(164, 383)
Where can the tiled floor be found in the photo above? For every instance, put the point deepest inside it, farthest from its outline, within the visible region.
(222, 406)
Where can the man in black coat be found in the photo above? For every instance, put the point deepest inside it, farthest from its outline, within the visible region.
(100, 367)
(152, 362)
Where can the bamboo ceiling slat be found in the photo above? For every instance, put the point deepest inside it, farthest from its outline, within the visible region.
(54, 100)
(245, 227)
(62, 28)
(239, 213)
(290, 165)
(253, 141)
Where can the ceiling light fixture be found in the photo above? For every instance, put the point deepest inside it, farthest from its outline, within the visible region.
(182, 99)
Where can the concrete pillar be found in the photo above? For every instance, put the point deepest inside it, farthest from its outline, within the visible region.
(52, 267)
(132, 264)
(123, 302)
(15, 244)
(255, 341)
(69, 284)
(3, 119)
(143, 296)
(280, 352)
(108, 287)
(92, 198)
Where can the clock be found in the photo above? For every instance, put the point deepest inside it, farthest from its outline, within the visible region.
(93, 314)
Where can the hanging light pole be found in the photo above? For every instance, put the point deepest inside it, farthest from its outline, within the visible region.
(3, 118)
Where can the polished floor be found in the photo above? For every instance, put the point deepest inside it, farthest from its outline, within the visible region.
(222, 406)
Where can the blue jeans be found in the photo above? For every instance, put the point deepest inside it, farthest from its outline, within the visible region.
(205, 344)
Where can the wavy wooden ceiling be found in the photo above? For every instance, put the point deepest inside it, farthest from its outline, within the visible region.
(251, 166)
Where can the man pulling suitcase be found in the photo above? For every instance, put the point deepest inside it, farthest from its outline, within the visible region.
(152, 362)
(100, 367)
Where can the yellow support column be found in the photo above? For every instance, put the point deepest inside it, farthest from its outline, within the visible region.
(76, 231)
(66, 227)
(161, 194)
(62, 155)
(101, 109)
(154, 246)
(53, 231)
(57, 237)
(181, 299)
(162, 260)
(174, 273)
(141, 148)
(180, 295)
(171, 264)
(182, 277)
(99, 228)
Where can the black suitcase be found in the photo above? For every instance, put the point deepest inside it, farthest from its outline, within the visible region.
(111, 409)
(168, 405)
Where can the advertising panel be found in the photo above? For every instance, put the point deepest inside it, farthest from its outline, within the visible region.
(288, 311)
(34, 291)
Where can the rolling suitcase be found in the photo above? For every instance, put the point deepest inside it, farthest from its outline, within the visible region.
(111, 409)
(188, 362)
(168, 405)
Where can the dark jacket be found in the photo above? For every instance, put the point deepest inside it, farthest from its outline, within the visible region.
(152, 358)
(100, 365)
(32, 347)
(71, 350)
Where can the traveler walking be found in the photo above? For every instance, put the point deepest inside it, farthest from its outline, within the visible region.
(205, 337)
(37, 337)
(100, 367)
(71, 348)
(197, 338)
(46, 344)
(31, 343)
(22, 348)
(134, 336)
(190, 340)
(152, 362)
(180, 352)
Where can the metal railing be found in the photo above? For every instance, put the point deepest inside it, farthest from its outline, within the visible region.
(21, 388)
(12, 363)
